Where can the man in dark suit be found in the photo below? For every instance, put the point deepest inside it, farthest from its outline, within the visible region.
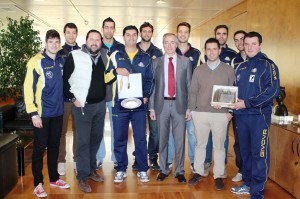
(168, 104)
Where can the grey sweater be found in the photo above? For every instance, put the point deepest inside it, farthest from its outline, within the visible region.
(202, 85)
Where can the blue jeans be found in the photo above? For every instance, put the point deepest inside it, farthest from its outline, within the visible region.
(153, 144)
(191, 143)
(102, 151)
(209, 146)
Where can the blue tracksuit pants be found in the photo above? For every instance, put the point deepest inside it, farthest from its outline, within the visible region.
(120, 124)
(253, 134)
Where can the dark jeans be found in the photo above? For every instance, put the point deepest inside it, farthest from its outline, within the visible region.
(46, 137)
(153, 144)
(89, 122)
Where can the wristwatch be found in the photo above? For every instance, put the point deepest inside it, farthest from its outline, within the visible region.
(73, 99)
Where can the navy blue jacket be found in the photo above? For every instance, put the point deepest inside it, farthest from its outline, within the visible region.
(258, 84)
(115, 46)
(142, 63)
(153, 51)
(226, 55)
(193, 54)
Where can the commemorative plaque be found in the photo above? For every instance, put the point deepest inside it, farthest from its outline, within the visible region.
(225, 96)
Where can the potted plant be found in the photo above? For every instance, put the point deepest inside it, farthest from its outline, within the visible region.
(18, 43)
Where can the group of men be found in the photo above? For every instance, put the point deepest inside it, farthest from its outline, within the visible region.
(176, 89)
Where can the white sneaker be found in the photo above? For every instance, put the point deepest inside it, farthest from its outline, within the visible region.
(60, 184)
(206, 168)
(237, 178)
(61, 168)
(143, 176)
(120, 176)
(39, 191)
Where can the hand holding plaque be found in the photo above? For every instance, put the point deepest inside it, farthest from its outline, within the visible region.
(224, 96)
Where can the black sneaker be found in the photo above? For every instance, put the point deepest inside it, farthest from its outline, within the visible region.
(195, 179)
(135, 166)
(154, 165)
(219, 185)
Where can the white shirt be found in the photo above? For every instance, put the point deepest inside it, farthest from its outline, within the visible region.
(166, 67)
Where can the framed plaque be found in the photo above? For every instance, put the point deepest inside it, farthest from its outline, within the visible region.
(225, 96)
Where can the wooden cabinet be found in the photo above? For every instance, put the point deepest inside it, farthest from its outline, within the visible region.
(285, 157)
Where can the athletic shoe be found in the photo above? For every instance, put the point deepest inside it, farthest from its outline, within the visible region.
(120, 176)
(169, 165)
(99, 165)
(96, 177)
(219, 184)
(143, 176)
(60, 184)
(242, 189)
(39, 191)
(237, 178)
(61, 168)
(154, 165)
(84, 186)
(195, 179)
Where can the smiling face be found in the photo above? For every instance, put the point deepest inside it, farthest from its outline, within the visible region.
(183, 34)
(212, 51)
(252, 46)
(239, 41)
(93, 42)
(52, 46)
(130, 38)
(170, 44)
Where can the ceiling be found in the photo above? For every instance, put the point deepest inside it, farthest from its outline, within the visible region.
(89, 14)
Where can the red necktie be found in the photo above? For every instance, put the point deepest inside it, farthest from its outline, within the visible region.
(171, 78)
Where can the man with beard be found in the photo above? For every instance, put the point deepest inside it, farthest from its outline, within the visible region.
(84, 84)
(185, 49)
(109, 43)
(146, 32)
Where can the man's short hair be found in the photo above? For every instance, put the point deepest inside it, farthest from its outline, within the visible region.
(50, 34)
(239, 32)
(170, 34)
(186, 24)
(70, 25)
(221, 26)
(108, 19)
(91, 31)
(130, 27)
(212, 40)
(146, 24)
(254, 34)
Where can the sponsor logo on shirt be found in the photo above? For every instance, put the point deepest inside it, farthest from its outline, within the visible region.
(154, 57)
(191, 59)
(141, 64)
(227, 58)
(254, 70)
(252, 78)
(49, 74)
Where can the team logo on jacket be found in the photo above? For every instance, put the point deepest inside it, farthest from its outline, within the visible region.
(254, 70)
(227, 59)
(251, 78)
(238, 77)
(154, 57)
(141, 64)
(49, 74)
(191, 59)
(60, 65)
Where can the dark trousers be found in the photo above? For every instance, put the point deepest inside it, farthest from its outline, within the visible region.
(46, 137)
(236, 147)
(121, 122)
(89, 122)
(253, 133)
(153, 144)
